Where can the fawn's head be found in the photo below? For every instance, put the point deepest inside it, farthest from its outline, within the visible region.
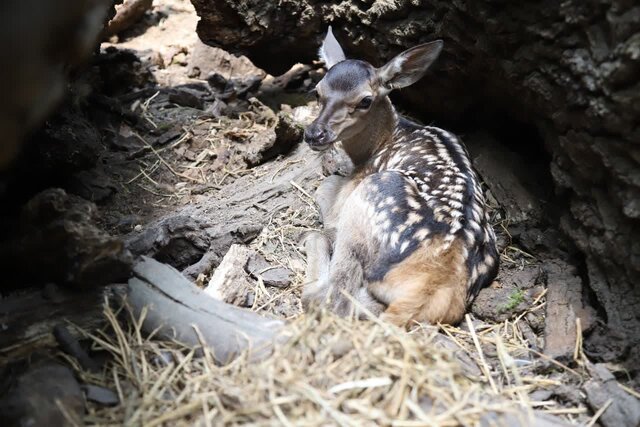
(353, 92)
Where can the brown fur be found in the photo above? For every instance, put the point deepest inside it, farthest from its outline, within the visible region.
(428, 286)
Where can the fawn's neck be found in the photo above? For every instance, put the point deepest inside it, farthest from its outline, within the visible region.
(382, 121)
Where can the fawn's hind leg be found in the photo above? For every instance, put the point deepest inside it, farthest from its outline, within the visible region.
(429, 286)
(327, 276)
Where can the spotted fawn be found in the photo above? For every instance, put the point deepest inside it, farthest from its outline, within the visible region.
(407, 234)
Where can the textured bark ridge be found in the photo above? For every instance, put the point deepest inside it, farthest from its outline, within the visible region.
(568, 70)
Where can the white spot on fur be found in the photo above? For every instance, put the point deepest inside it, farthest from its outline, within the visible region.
(393, 239)
(421, 234)
(489, 260)
(413, 203)
(414, 218)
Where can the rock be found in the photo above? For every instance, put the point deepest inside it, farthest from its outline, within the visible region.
(230, 282)
(58, 241)
(100, 395)
(511, 293)
(623, 410)
(186, 98)
(206, 61)
(174, 131)
(218, 82)
(277, 276)
(230, 89)
(37, 395)
(287, 135)
(127, 14)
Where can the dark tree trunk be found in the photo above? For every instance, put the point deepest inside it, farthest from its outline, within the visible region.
(569, 71)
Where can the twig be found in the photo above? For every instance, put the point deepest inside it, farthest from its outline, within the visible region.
(164, 162)
(597, 415)
(484, 365)
(631, 391)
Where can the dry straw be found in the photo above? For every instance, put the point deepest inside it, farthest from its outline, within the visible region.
(330, 371)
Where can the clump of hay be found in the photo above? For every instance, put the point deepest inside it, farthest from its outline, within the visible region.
(329, 370)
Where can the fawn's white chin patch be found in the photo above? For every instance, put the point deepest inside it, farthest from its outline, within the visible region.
(320, 147)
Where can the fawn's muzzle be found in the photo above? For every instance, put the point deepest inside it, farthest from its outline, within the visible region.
(319, 137)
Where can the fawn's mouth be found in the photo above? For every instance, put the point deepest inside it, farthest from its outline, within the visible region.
(322, 146)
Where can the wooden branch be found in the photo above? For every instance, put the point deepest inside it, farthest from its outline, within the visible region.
(177, 307)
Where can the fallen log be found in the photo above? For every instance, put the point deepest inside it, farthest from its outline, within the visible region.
(181, 311)
(236, 213)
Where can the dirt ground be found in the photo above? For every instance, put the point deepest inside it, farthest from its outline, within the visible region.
(192, 162)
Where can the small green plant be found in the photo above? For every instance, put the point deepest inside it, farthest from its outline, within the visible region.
(515, 299)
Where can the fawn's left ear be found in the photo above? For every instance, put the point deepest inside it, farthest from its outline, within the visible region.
(409, 66)
(330, 52)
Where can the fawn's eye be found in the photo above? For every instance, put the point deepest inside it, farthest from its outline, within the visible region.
(364, 103)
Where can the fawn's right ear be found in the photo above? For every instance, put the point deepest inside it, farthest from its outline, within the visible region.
(409, 66)
(330, 52)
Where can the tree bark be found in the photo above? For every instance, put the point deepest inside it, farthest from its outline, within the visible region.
(569, 71)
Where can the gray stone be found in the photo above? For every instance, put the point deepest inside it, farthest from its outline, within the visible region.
(277, 276)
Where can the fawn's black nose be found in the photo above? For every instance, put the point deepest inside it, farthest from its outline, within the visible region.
(318, 136)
